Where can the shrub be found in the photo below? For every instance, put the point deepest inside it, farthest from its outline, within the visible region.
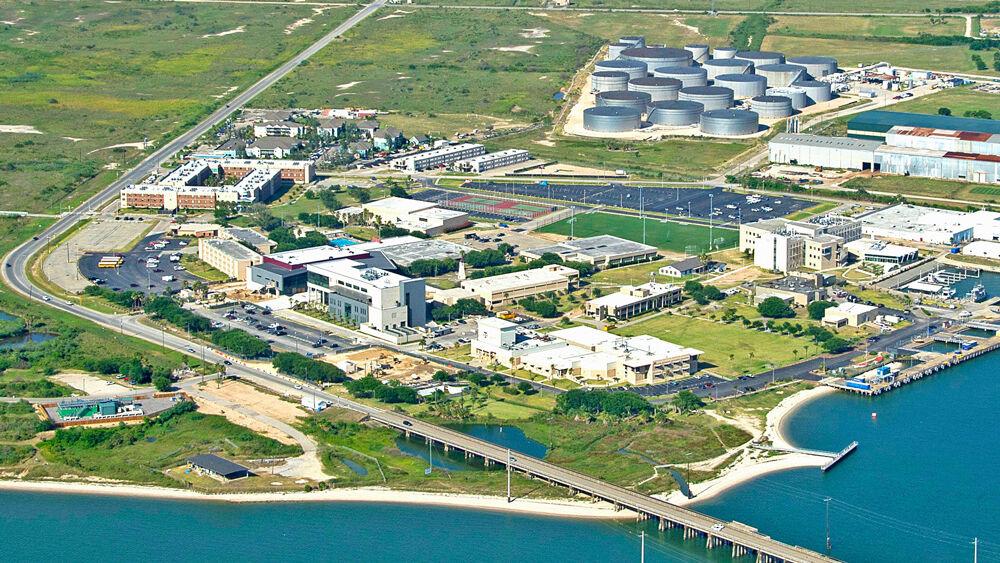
(775, 308)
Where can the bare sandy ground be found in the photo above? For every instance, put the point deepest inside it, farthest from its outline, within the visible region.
(90, 384)
(60, 265)
(565, 508)
(24, 129)
(239, 29)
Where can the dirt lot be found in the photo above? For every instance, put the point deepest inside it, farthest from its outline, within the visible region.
(90, 384)
(386, 364)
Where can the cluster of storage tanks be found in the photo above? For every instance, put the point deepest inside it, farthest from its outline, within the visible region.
(693, 86)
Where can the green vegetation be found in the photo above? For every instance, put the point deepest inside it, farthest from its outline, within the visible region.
(817, 309)
(543, 307)
(94, 75)
(290, 363)
(370, 388)
(757, 405)
(12, 327)
(18, 421)
(672, 236)
(925, 187)
(142, 452)
(672, 159)
(201, 269)
(30, 383)
(686, 401)
(171, 311)
(775, 308)
(461, 308)
(240, 342)
(467, 62)
(750, 33)
(817, 209)
(13, 454)
(702, 294)
(729, 349)
(134, 369)
(618, 404)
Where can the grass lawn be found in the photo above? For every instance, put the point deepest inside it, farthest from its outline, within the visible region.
(757, 405)
(482, 63)
(675, 237)
(882, 298)
(929, 187)
(673, 29)
(140, 453)
(846, 6)
(958, 100)
(674, 159)
(880, 26)
(202, 270)
(91, 75)
(808, 212)
(729, 349)
(850, 52)
(629, 275)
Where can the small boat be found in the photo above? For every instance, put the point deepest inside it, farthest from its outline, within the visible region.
(977, 293)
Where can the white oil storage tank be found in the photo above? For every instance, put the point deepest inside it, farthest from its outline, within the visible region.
(615, 50)
(715, 67)
(699, 52)
(655, 57)
(779, 76)
(743, 85)
(817, 67)
(635, 100)
(729, 123)
(772, 107)
(816, 92)
(721, 53)
(608, 81)
(635, 69)
(759, 58)
(611, 119)
(675, 113)
(659, 89)
(797, 95)
(633, 40)
(712, 97)
(688, 75)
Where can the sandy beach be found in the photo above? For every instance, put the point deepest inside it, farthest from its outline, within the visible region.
(551, 507)
(756, 463)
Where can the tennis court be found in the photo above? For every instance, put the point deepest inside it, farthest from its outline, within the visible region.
(485, 206)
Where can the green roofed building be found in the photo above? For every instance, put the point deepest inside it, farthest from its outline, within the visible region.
(875, 124)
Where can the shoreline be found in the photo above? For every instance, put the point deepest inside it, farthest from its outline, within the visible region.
(749, 468)
(379, 495)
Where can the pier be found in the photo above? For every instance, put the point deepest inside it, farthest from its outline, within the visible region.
(740, 539)
(939, 363)
(835, 457)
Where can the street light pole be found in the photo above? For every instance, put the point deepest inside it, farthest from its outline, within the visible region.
(826, 501)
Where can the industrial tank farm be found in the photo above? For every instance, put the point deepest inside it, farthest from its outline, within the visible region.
(658, 88)
(817, 67)
(688, 75)
(611, 119)
(781, 75)
(635, 100)
(715, 67)
(675, 113)
(609, 81)
(718, 91)
(729, 123)
(743, 85)
(712, 97)
(635, 69)
(655, 57)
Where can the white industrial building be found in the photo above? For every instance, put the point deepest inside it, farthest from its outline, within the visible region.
(583, 354)
(982, 249)
(410, 214)
(851, 314)
(437, 158)
(499, 159)
(229, 257)
(601, 251)
(919, 224)
(829, 152)
(380, 302)
(881, 252)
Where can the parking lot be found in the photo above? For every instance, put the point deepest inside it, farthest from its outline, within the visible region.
(133, 275)
(297, 337)
(730, 207)
(704, 381)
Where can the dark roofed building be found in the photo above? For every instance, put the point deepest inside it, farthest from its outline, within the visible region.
(273, 147)
(218, 468)
(330, 127)
(685, 267)
(875, 124)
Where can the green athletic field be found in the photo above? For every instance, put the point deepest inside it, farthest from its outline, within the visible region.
(672, 236)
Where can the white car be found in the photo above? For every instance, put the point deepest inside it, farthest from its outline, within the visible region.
(46, 298)
(718, 527)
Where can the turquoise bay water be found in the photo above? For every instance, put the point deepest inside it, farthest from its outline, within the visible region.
(922, 484)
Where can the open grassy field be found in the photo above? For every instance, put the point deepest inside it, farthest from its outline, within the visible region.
(817, 209)
(958, 100)
(910, 185)
(729, 349)
(850, 52)
(504, 65)
(669, 29)
(676, 237)
(845, 6)
(875, 26)
(678, 159)
(89, 76)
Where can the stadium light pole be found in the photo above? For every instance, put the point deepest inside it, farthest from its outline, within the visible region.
(711, 213)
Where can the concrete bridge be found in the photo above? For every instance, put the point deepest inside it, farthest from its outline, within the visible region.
(741, 539)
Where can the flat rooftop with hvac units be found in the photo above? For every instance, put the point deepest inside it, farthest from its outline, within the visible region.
(696, 90)
(603, 251)
(421, 216)
(583, 354)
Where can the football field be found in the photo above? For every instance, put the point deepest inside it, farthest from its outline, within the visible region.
(665, 235)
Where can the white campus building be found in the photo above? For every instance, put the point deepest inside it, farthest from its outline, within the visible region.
(485, 162)
(410, 214)
(228, 256)
(583, 354)
(630, 301)
(506, 289)
(437, 158)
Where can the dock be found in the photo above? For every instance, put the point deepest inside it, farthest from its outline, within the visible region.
(934, 365)
(840, 455)
(835, 457)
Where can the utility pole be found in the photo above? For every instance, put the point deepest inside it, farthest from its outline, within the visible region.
(509, 459)
(642, 213)
(642, 546)
(826, 501)
(975, 550)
